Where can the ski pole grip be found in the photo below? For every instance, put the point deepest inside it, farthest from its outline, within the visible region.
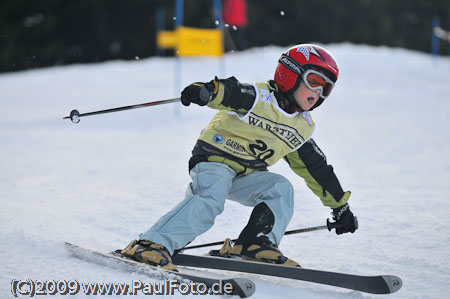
(331, 225)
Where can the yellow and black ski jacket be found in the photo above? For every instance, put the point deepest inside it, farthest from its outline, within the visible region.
(251, 132)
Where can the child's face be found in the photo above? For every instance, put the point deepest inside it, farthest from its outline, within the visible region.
(305, 97)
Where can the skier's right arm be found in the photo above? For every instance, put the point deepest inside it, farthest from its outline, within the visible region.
(224, 94)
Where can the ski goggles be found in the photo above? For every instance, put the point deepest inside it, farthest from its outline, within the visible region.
(317, 81)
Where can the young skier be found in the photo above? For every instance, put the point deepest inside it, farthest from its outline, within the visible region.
(256, 126)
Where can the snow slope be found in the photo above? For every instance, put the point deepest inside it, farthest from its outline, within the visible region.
(101, 182)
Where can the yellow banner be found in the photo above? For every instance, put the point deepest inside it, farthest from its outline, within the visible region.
(167, 39)
(192, 41)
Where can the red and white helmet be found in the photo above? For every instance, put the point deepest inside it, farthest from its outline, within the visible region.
(297, 60)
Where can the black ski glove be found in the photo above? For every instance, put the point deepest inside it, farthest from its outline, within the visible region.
(345, 221)
(199, 93)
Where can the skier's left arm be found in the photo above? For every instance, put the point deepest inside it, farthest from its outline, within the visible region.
(310, 163)
(222, 94)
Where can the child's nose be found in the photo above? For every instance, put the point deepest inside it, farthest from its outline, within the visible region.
(317, 93)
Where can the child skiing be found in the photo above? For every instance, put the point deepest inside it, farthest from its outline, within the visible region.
(257, 125)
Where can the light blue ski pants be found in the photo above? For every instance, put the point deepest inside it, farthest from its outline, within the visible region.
(212, 183)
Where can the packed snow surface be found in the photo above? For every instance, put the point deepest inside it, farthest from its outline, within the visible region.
(101, 182)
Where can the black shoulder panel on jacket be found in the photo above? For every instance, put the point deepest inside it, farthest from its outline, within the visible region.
(238, 95)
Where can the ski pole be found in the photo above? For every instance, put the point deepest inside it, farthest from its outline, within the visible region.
(75, 115)
(329, 226)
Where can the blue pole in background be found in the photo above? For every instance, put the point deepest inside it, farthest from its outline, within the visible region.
(435, 42)
(219, 25)
(218, 13)
(160, 13)
(179, 9)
